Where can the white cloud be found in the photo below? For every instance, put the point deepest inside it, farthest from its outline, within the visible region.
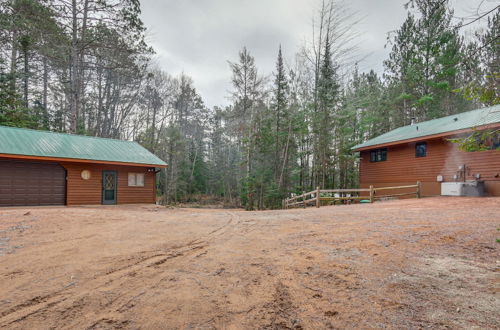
(198, 37)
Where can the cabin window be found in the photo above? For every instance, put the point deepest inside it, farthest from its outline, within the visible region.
(378, 155)
(421, 149)
(136, 179)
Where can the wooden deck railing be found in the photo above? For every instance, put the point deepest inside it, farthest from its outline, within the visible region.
(347, 195)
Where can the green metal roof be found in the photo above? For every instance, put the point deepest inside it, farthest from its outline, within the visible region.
(22, 141)
(464, 120)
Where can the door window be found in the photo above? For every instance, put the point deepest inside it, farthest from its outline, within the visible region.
(109, 187)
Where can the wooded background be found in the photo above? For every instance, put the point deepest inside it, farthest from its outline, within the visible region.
(84, 66)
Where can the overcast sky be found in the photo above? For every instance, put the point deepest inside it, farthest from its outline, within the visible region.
(198, 37)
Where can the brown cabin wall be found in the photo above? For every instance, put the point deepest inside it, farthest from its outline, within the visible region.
(80, 192)
(443, 158)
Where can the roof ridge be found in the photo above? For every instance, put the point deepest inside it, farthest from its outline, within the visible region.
(441, 118)
(462, 120)
(65, 134)
(42, 143)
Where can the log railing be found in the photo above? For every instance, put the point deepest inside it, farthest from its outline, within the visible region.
(347, 195)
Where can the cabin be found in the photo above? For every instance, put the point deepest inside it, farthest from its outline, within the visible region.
(48, 168)
(423, 152)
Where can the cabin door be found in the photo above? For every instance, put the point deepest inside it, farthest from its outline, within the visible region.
(109, 183)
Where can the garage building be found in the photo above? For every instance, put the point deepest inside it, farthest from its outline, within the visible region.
(48, 168)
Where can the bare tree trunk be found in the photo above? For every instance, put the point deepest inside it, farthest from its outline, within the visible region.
(46, 123)
(153, 127)
(25, 51)
(191, 176)
(99, 110)
(74, 101)
(285, 154)
(76, 64)
(45, 83)
(13, 61)
(81, 60)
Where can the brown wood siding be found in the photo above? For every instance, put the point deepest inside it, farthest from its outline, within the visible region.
(443, 158)
(81, 191)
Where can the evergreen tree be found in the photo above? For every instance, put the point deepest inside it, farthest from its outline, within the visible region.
(482, 64)
(282, 118)
(401, 73)
(12, 109)
(324, 125)
(424, 66)
(247, 94)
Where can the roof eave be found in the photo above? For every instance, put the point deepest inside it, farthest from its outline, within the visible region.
(426, 137)
(79, 160)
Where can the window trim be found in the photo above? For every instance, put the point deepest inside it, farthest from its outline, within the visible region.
(417, 155)
(135, 175)
(379, 151)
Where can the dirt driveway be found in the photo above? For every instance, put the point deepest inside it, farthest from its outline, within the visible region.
(401, 264)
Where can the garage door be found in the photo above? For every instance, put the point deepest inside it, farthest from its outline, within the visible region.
(31, 183)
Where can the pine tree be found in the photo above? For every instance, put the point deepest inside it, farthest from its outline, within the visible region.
(12, 109)
(439, 47)
(424, 65)
(280, 111)
(401, 72)
(482, 62)
(324, 121)
(247, 85)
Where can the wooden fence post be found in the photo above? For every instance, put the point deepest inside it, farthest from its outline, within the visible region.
(318, 198)
(418, 189)
(304, 198)
(371, 194)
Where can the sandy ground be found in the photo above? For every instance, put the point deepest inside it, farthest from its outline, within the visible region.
(430, 263)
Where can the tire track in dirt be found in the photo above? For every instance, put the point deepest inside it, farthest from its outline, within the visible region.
(281, 312)
(43, 303)
(127, 301)
(146, 267)
(121, 305)
(339, 267)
